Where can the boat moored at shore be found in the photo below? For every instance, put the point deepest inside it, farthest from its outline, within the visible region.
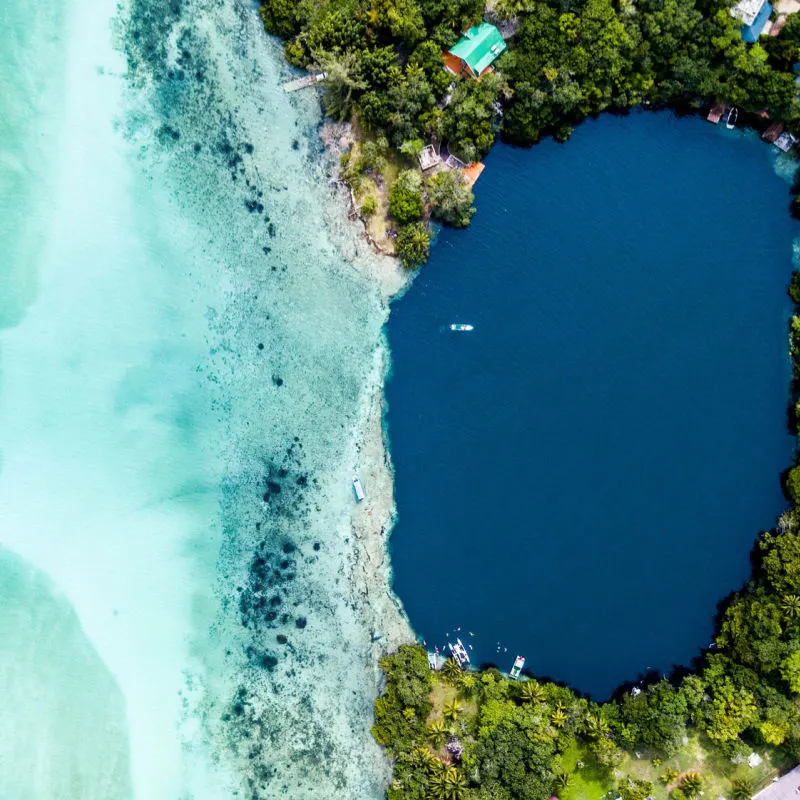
(516, 669)
(459, 652)
(357, 488)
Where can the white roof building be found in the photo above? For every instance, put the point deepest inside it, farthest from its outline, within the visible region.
(747, 10)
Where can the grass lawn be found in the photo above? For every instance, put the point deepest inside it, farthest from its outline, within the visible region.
(589, 782)
(442, 694)
(717, 772)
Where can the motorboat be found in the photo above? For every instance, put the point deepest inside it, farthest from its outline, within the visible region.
(516, 669)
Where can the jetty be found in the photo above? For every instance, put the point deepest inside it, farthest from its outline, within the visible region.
(304, 82)
(716, 113)
(435, 659)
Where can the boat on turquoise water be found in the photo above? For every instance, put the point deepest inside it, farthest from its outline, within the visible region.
(460, 326)
(358, 488)
(733, 115)
(516, 669)
(459, 652)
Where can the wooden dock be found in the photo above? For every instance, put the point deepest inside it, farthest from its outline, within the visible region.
(304, 82)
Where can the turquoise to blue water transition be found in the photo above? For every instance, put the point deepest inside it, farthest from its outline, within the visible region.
(581, 478)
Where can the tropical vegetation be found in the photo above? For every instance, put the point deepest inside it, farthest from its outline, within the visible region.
(567, 59)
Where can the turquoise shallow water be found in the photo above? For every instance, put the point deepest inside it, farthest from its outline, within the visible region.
(186, 357)
(581, 478)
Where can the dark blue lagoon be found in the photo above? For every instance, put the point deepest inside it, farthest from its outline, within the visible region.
(581, 478)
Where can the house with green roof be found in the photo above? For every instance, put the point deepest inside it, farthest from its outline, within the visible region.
(475, 51)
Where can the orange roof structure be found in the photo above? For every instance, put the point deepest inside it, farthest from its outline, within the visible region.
(473, 171)
(772, 133)
(715, 115)
(777, 26)
(455, 65)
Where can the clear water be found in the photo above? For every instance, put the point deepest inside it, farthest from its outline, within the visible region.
(581, 478)
(182, 336)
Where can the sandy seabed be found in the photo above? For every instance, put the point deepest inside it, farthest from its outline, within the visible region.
(192, 365)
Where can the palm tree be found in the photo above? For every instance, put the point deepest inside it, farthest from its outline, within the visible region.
(451, 671)
(452, 709)
(558, 717)
(510, 9)
(467, 684)
(437, 733)
(456, 784)
(691, 784)
(563, 778)
(669, 775)
(596, 726)
(791, 606)
(437, 785)
(342, 78)
(531, 692)
(742, 789)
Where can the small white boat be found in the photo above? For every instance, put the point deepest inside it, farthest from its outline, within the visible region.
(733, 115)
(460, 326)
(519, 663)
(358, 488)
(459, 652)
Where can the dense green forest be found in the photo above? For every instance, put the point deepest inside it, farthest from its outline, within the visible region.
(566, 60)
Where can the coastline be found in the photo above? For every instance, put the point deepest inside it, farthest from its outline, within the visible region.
(385, 270)
(373, 518)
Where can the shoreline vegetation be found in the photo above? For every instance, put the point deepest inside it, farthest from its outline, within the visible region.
(566, 60)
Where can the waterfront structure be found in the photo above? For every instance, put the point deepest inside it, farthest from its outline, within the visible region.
(475, 52)
(428, 157)
(754, 15)
(785, 142)
(772, 133)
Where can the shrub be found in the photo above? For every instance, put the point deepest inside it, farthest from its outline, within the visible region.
(295, 53)
(413, 245)
(793, 484)
(369, 206)
(373, 155)
(451, 199)
(742, 789)
(794, 287)
(691, 784)
(632, 789)
(405, 199)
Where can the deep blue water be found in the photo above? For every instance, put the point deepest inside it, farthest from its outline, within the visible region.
(583, 476)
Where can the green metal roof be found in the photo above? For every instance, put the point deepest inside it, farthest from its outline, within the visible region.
(479, 47)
